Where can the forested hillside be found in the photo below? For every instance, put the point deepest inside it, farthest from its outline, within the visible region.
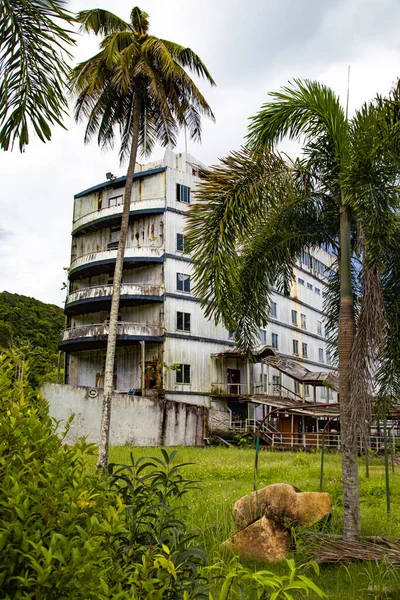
(33, 327)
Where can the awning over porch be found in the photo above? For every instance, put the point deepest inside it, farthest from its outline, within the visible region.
(260, 353)
(299, 373)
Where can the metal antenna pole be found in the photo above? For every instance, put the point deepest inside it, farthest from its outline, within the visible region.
(348, 92)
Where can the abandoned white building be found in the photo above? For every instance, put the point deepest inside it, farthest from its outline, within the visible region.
(166, 348)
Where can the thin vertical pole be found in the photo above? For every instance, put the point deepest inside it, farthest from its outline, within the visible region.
(386, 464)
(321, 479)
(143, 358)
(256, 460)
(59, 366)
(392, 448)
(367, 460)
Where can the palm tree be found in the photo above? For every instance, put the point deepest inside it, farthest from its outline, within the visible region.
(137, 82)
(33, 49)
(257, 210)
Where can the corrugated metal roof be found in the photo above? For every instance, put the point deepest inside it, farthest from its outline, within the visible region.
(119, 181)
(299, 373)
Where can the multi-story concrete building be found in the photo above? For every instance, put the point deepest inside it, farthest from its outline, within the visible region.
(165, 346)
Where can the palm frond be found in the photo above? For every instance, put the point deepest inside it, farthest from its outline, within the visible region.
(100, 21)
(188, 59)
(140, 21)
(33, 69)
(303, 109)
(231, 201)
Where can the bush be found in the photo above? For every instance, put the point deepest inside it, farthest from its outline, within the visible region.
(158, 552)
(67, 534)
(50, 542)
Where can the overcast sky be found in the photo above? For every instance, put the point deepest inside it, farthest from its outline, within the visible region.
(250, 48)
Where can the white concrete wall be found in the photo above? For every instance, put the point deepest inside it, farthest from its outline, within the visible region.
(134, 420)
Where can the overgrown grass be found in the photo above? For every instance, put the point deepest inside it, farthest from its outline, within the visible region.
(226, 474)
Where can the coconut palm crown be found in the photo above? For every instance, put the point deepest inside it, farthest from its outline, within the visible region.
(133, 65)
(137, 83)
(258, 210)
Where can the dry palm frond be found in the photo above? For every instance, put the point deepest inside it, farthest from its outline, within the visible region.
(332, 549)
(366, 351)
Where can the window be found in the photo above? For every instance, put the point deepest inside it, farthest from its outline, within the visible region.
(303, 321)
(306, 259)
(301, 281)
(295, 347)
(116, 201)
(317, 291)
(183, 374)
(324, 294)
(183, 193)
(115, 233)
(294, 317)
(183, 282)
(304, 350)
(323, 393)
(306, 389)
(273, 312)
(319, 327)
(231, 334)
(297, 388)
(321, 354)
(180, 242)
(263, 337)
(183, 321)
(309, 286)
(274, 340)
(328, 357)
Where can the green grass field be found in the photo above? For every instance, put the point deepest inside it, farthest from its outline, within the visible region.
(226, 474)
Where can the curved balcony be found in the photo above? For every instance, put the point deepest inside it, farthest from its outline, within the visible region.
(96, 298)
(111, 215)
(103, 261)
(90, 337)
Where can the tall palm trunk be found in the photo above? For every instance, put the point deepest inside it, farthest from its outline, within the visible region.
(349, 441)
(119, 265)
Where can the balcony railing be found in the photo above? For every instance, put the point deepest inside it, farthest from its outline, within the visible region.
(139, 253)
(236, 389)
(105, 291)
(257, 388)
(111, 212)
(100, 331)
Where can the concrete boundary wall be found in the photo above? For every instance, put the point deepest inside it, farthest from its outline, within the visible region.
(134, 420)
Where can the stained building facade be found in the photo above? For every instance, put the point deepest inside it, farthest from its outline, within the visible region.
(165, 345)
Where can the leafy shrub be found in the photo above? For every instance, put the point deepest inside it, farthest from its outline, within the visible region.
(66, 534)
(49, 508)
(239, 581)
(155, 539)
(243, 439)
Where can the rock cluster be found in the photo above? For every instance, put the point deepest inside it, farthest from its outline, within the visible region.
(264, 517)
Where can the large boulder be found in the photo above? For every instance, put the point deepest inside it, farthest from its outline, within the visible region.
(282, 503)
(262, 540)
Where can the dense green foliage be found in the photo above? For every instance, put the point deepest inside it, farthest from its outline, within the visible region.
(50, 545)
(33, 327)
(67, 533)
